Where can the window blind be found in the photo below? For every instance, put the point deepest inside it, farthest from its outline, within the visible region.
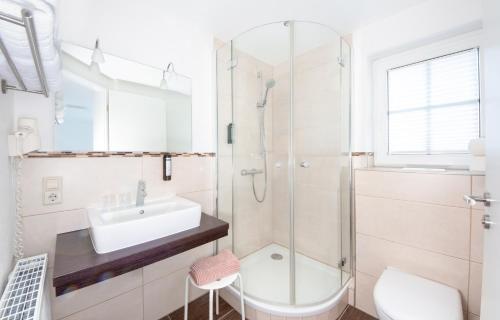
(433, 105)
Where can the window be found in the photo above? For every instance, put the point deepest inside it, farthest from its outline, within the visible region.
(427, 104)
(434, 105)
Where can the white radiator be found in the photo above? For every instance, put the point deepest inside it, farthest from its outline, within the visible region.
(23, 295)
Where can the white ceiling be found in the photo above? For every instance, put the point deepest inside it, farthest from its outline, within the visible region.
(164, 22)
(228, 18)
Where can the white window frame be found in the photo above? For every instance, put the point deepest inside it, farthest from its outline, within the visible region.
(381, 107)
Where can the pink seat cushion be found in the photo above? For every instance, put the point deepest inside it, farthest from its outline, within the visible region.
(213, 268)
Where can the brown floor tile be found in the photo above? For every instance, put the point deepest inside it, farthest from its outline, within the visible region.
(233, 315)
(356, 314)
(198, 310)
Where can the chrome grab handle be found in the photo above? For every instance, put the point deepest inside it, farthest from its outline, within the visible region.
(486, 221)
(472, 200)
(305, 164)
(250, 172)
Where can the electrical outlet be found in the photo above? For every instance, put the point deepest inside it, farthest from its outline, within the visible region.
(52, 197)
(52, 190)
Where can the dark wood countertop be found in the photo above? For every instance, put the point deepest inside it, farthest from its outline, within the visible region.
(77, 265)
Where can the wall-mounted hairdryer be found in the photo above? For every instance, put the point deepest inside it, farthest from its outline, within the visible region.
(25, 139)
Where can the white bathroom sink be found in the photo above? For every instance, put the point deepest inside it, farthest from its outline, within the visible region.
(118, 228)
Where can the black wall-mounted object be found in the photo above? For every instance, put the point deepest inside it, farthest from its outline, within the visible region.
(230, 133)
(167, 167)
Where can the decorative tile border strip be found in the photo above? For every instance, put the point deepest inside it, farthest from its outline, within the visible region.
(99, 154)
(359, 154)
(105, 154)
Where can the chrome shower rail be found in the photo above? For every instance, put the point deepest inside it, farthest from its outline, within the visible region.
(26, 21)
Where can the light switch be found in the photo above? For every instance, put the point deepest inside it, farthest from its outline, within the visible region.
(52, 190)
(51, 184)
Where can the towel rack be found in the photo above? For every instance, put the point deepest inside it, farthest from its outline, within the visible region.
(26, 21)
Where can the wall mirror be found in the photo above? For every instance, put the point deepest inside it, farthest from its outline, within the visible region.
(120, 105)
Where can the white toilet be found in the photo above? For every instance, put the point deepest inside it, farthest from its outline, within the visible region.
(402, 296)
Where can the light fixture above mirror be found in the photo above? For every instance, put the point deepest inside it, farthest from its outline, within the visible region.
(168, 77)
(97, 55)
(97, 58)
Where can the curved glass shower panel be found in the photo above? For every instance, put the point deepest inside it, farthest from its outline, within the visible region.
(261, 229)
(317, 152)
(284, 172)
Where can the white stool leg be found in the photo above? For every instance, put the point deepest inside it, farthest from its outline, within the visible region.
(186, 298)
(241, 298)
(217, 302)
(211, 305)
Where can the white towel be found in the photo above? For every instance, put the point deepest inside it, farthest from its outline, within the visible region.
(15, 40)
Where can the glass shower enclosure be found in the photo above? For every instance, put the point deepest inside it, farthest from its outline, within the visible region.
(284, 176)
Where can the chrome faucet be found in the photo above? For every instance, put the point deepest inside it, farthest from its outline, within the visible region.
(141, 193)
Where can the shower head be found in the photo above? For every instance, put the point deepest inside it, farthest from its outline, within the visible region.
(269, 84)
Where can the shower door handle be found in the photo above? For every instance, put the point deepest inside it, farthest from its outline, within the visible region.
(305, 164)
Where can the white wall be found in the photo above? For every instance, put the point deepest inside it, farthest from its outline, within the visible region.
(418, 25)
(6, 207)
(154, 36)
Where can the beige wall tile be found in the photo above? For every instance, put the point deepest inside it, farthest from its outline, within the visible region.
(127, 306)
(324, 316)
(436, 228)
(473, 316)
(351, 296)
(433, 188)
(40, 231)
(476, 276)
(319, 141)
(205, 198)
(374, 255)
(364, 293)
(170, 265)
(317, 221)
(262, 315)
(316, 57)
(337, 311)
(476, 239)
(152, 174)
(478, 185)
(164, 295)
(250, 313)
(189, 174)
(85, 180)
(323, 172)
(359, 161)
(96, 294)
(478, 188)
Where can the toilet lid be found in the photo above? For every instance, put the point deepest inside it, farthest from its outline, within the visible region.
(402, 296)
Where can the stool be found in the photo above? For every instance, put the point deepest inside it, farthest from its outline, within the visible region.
(216, 285)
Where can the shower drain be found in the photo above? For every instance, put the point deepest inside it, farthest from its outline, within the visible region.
(276, 256)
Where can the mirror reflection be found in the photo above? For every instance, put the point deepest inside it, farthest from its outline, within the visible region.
(112, 104)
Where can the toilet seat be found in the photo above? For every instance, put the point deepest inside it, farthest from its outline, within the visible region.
(402, 296)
